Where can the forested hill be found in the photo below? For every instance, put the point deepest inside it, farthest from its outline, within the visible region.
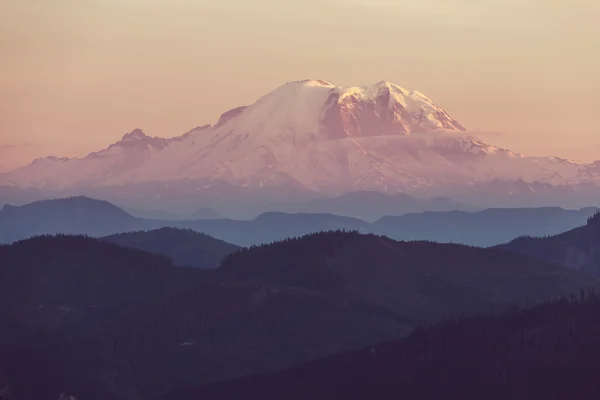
(185, 247)
(548, 352)
(102, 322)
(577, 249)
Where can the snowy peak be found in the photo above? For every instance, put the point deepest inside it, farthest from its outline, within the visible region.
(292, 111)
(138, 139)
(312, 109)
(384, 109)
(135, 135)
(312, 82)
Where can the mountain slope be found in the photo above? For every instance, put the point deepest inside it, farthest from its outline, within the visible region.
(185, 247)
(95, 218)
(117, 323)
(273, 226)
(368, 205)
(483, 228)
(309, 137)
(76, 215)
(270, 142)
(389, 270)
(578, 248)
(205, 213)
(546, 352)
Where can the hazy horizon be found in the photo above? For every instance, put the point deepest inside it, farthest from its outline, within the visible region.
(77, 75)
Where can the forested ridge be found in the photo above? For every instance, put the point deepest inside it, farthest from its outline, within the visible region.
(99, 321)
(577, 249)
(187, 248)
(548, 351)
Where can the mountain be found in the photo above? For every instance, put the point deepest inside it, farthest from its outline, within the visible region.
(185, 247)
(308, 139)
(483, 228)
(201, 213)
(75, 215)
(368, 205)
(273, 226)
(81, 215)
(578, 248)
(246, 145)
(154, 214)
(94, 320)
(187, 196)
(521, 193)
(51, 288)
(205, 213)
(545, 352)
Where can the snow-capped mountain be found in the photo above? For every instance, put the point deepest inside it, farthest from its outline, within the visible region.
(311, 135)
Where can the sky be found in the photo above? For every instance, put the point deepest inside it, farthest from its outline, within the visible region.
(75, 75)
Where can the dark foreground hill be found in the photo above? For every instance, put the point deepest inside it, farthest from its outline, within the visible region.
(99, 321)
(547, 352)
(185, 247)
(578, 248)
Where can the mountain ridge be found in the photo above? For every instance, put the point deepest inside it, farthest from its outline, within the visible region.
(185, 247)
(578, 248)
(527, 353)
(482, 228)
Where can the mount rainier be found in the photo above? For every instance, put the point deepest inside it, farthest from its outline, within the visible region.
(310, 138)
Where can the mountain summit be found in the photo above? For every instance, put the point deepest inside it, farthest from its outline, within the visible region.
(311, 137)
(315, 109)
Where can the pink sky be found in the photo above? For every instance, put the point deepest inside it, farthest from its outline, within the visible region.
(75, 75)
